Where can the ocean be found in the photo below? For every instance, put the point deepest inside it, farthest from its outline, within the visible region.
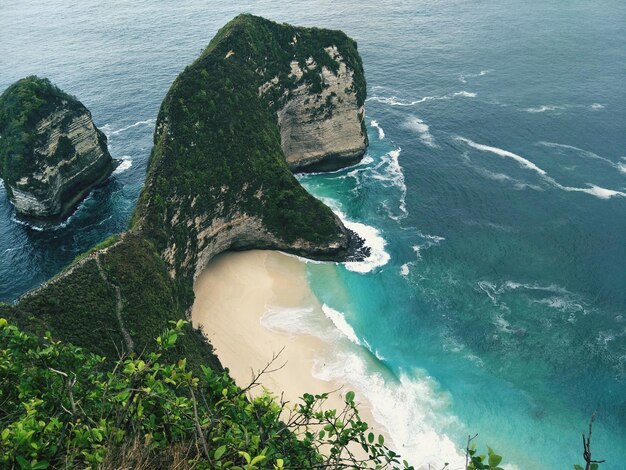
(493, 196)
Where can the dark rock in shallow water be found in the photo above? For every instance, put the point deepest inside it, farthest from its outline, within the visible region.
(51, 153)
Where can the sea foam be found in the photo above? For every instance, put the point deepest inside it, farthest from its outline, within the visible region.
(395, 101)
(341, 324)
(415, 124)
(592, 189)
(381, 132)
(410, 407)
(123, 166)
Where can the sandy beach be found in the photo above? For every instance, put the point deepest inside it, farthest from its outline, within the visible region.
(234, 294)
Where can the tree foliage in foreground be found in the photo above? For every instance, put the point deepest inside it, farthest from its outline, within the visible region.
(64, 407)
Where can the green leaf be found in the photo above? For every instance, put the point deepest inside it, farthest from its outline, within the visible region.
(381, 439)
(246, 456)
(41, 465)
(370, 437)
(23, 462)
(494, 459)
(594, 466)
(350, 396)
(257, 459)
(219, 452)
(578, 467)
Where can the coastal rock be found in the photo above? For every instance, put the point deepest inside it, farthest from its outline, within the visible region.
(323, 129)
(51, 153)
(264, 99)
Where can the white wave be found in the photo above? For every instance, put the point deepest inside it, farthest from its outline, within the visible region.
(597, 191)
(297, 320)
(367, 160)
(411, 408)
(414, 123)
(123, 166)
(107, 127)
(561, 107)
(592, 189)
(381, 132)
(463, 77)
(395, 101)
(30, 225)
(504, 153)
(339, 320)
(378, 256)
(466, 94)
(404, 270)
(395, 173)
(512, 285)
(586, 154)
(429, 240)
(544, 108)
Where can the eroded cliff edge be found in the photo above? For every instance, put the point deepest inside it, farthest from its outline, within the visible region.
(51, 153)
(263, 97)
(218, 179)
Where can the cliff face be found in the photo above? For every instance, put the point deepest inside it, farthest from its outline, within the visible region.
(262, 98)
(323, 131)
(51, 153)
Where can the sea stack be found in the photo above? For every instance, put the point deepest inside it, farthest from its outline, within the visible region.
(51, 153)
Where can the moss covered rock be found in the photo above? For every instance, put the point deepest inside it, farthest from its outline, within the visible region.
(51, 153)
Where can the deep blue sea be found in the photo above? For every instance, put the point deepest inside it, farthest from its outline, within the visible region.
(493, 194)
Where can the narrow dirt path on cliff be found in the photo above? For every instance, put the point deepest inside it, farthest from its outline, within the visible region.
(118, 294)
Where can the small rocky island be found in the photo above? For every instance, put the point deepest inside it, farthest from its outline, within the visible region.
(51, 153)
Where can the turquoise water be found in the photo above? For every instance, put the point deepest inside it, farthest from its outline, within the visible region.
(497, 304)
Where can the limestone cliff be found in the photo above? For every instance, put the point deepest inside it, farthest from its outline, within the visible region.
(51, 153)
(324, 130)
(263, 97)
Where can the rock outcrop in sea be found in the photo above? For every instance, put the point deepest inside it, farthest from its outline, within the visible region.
(51, 153)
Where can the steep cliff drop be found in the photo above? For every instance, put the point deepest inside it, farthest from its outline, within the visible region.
(262, 100)
(51, 153)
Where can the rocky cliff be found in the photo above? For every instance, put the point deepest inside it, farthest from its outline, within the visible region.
(51, 153)
(263, 97)
(322, 129)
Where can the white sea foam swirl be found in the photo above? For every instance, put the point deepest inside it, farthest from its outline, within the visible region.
(372, 238)
(381, 132)
(415, 124)
(586, 154)
(107, 127)
(592, 189)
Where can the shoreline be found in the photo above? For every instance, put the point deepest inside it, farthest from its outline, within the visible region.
(238, 298)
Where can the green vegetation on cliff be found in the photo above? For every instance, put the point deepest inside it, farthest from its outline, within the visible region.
(22, 106)
(217, 153)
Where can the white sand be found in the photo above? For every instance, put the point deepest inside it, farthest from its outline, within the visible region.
(233, 294)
